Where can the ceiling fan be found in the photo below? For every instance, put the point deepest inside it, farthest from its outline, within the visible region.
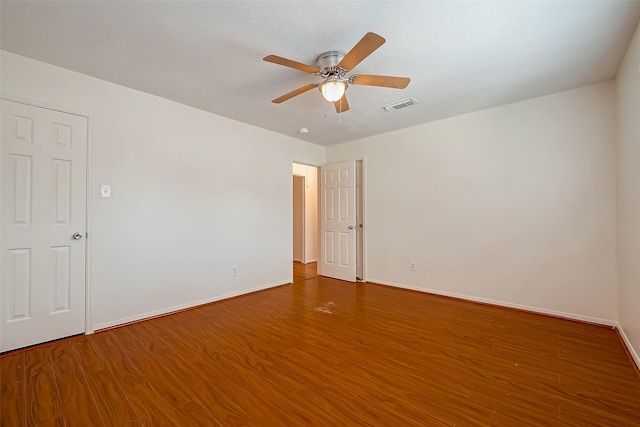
(333, 66)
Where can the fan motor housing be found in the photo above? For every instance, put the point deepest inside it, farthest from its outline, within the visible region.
(329, 60)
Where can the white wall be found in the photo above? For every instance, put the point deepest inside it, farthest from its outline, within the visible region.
(192, 194)
(514, 205)
(311, 209)
(628, 113)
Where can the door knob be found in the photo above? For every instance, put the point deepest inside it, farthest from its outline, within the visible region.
(76, 236)
(351, 227)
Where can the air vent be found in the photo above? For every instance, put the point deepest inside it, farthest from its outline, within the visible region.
(400, 104)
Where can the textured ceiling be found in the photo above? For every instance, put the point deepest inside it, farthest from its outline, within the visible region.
(460, 56)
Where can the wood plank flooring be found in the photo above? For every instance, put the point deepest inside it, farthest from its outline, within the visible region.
(304, 271)
(322, 352)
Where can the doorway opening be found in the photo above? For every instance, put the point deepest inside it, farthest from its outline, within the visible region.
(332, 242)
(298, 219)
(305, 221)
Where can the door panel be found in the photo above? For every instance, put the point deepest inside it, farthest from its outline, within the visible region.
(18, 294)
(19, 191)
(328, 248)
(43, 167)
(329, 205)
(345, 241)
(338, 221)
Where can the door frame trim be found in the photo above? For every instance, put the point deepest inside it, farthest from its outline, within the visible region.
(365, 211)
(88, 324)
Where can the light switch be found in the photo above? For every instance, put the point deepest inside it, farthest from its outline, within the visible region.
(286, 202)
(105, 191)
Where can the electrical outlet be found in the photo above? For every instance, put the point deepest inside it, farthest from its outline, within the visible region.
(412, 266)
(234, 270)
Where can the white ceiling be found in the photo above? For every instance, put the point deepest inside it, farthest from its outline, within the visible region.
(460, 56)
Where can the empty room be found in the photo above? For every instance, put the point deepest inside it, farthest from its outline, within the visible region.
(320, 213)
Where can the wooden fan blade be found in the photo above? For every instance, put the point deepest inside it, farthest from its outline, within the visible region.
(384, 81)
(341, 104)
(291, 64)
(296, 92)
(365, 47)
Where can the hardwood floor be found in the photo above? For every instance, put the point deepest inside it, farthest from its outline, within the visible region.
(304, 271)
(322, 352)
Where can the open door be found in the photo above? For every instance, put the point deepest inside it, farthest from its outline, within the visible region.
(338, 221)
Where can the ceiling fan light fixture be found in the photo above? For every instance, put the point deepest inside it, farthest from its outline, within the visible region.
(333, 66)
(333, 89)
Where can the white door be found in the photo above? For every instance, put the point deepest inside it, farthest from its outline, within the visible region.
(338, 221)
(43, 169)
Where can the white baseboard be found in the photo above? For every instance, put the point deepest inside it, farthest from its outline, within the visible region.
(309, 261)
(572, 316)
(627, 342)
(168, 310)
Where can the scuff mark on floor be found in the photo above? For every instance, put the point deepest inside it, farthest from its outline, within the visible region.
(324, 308)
